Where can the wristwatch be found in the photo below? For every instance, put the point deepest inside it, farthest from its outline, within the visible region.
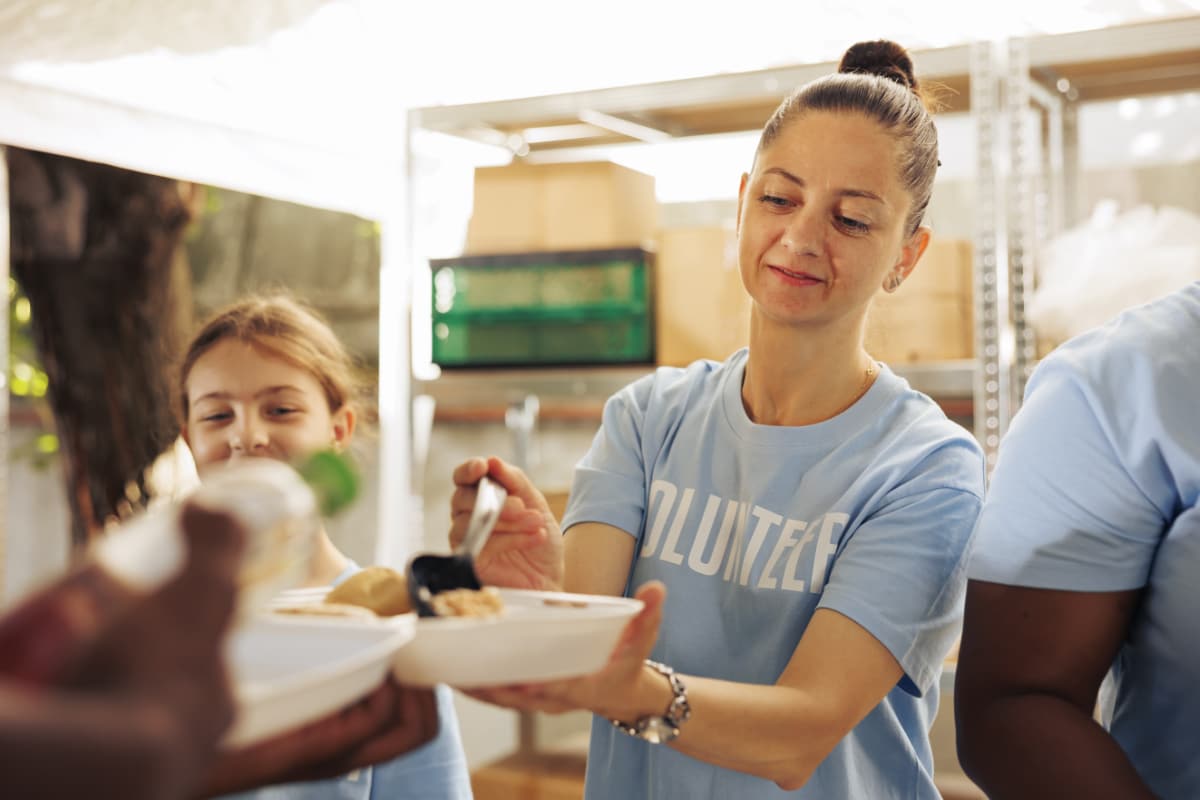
(661, 729)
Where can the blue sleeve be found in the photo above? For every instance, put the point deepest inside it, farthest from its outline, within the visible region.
(609, 485)
(903, 577)
(1063, 511)
(901, 574)
(434, 771)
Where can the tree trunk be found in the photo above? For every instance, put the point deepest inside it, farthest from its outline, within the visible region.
(93, 247)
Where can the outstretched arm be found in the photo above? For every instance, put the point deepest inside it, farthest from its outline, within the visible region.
(779, 732)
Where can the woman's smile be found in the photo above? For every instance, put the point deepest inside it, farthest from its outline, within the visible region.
(796, 277)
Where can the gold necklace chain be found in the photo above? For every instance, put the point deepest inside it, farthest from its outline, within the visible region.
(866, 384)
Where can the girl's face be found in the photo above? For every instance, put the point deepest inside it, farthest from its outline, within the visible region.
(821, 219)
(246, 401)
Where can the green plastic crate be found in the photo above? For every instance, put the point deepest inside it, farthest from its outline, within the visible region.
(542, 309)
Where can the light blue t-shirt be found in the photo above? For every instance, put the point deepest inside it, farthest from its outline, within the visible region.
(434, 771)
(1096, 490)
(752, 528)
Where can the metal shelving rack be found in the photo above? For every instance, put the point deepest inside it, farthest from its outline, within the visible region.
(990, 379)
(1025, 192)
(658, 111)
(1055, 74)
(655, 112)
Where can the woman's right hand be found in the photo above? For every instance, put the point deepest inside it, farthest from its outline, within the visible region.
(525, 550)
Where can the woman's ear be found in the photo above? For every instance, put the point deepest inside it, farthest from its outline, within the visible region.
(343, 427)
(910, 253)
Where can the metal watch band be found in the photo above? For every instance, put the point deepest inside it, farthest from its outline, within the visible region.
(661, 729)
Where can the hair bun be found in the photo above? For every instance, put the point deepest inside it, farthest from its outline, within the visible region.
(883, 58)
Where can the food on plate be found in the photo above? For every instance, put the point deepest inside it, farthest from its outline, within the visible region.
(381, 589)
(341, 610)
(485, 602)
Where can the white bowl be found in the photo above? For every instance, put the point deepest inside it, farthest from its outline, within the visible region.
(288, 671)
(541, 636)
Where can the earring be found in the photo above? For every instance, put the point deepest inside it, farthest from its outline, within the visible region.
(892, 282)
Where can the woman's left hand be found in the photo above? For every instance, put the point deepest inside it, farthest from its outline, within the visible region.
(601, 690)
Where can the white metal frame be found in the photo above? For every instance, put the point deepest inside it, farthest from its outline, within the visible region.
(991, 381)
(629, 101)
(1019, 216)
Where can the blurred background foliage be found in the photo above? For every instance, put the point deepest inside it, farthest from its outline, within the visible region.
(235, 243)
(28, 383)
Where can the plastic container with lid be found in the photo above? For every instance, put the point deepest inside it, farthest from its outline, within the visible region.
(279, 507)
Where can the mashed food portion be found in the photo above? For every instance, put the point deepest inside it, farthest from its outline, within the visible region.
(381, 589)
(485, 602)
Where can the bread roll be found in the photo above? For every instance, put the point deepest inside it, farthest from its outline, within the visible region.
(381, 589)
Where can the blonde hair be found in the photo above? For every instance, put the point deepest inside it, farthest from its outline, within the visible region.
(284, 327)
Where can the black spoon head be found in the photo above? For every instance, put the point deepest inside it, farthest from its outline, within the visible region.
(429, 575)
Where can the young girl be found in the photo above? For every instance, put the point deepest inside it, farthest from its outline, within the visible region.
(806, 510)
(266, 378)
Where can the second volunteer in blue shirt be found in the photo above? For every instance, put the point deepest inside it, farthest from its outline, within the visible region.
(807, 511)
(1084, 589)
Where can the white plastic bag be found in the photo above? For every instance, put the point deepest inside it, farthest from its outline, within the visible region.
(1112, 262)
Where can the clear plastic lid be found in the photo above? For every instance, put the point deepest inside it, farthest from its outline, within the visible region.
(275, 505)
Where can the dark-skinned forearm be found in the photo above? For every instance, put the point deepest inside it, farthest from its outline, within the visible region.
(1035, 746)
(57, 745)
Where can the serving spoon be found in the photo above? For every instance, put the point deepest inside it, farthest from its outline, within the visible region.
(430, 574)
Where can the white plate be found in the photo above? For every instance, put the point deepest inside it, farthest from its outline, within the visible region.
(299, 597)
(288, 671)
(541, 636)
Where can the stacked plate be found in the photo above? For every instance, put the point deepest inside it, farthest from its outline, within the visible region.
(292, 669)
(288, 671)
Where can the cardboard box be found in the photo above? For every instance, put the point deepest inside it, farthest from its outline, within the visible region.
(569, 206)
(702, 309)
(946, 268)
(930, 317)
